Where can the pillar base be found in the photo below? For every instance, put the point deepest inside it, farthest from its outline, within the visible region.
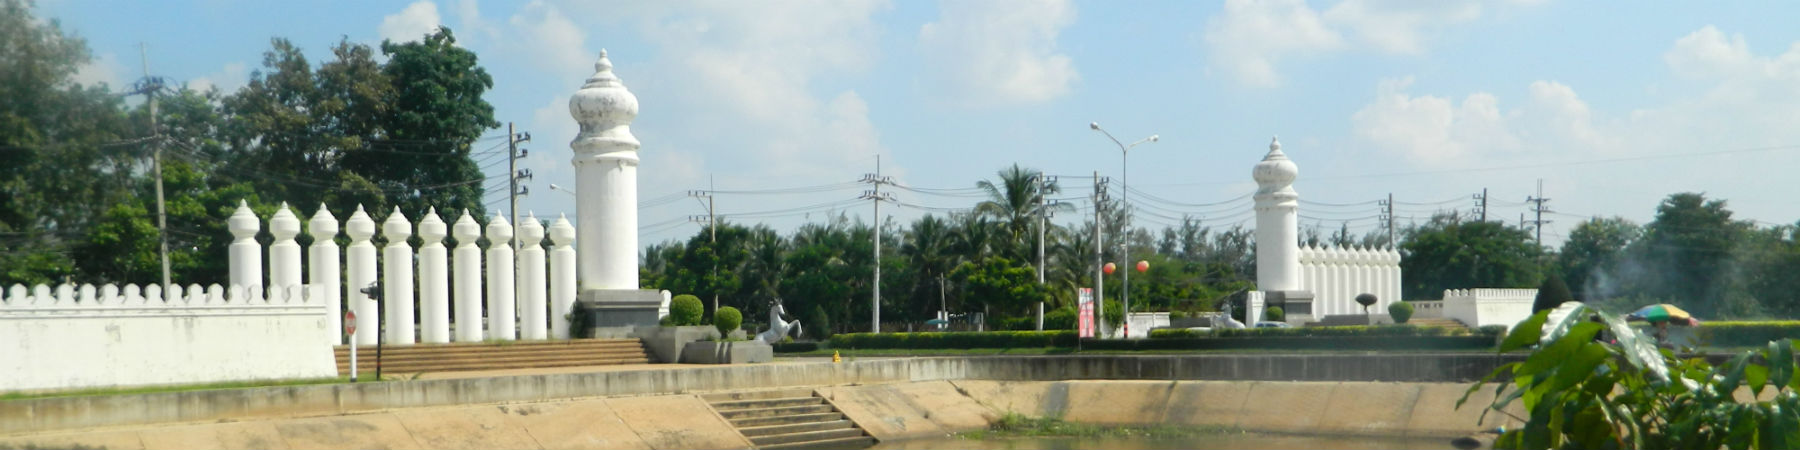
(1296, 305)
(621, 307)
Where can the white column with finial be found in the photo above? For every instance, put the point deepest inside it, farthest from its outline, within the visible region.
(606, 161)
(360, 259)
(434, 281)
(397, 279)
(284, 254)
(562, 277)
(324, 277)
(532, 284)
(501, 312)
(468, 278)
(245, 254)
(1277, 226)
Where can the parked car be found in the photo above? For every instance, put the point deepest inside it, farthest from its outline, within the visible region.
(1268, 324)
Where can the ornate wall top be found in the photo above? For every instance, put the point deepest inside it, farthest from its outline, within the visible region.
(605, 109)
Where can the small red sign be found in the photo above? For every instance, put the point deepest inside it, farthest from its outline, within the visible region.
(349, 322)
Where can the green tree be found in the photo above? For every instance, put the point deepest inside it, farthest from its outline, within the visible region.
(1551, 294)
(1448, 253)
(1000, 286)
(437, 115)
(1589, 258)
(1686, 251)
(1014, 204)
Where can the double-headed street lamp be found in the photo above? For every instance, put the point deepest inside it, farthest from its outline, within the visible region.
(1125, 201)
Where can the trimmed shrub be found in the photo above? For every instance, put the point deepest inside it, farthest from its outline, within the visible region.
(1177, 314)
(1400, 311)
(1275, 314)
(955, 340)
(685, 310)
(815, 323)
(1176, 333)
(1551, 294)
(1352, 330)
(1017, 323)
(1492, 330)
(795, 347)
(1115, 313)
(1366, 300)
(727, 319)
(1063, 318)
(1297, 343)
(1746, 334)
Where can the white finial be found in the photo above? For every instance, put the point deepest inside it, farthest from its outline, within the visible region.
(1275, 144)
(324, 225)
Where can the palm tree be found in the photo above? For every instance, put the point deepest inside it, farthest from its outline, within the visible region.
(930, 249)
(1014, 202)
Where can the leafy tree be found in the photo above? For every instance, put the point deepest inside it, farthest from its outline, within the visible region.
(1001, 286)
(1448, 253)
(438, 113)
(727, 319)
(1366, 300)
(1014, 203)
(1592, 253)
(685, 310)
(1685, 252)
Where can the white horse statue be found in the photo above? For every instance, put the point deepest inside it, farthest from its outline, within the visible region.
(778, 328)
(1228, 321)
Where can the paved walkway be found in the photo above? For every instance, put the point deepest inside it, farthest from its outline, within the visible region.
(587, 369)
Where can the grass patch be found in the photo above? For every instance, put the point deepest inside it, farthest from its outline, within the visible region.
(1014, 425)
(90, 392)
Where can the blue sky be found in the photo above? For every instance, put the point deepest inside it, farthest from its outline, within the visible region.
(1613, 106)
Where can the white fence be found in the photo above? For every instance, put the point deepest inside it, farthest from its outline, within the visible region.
(1337, 275)
(1483, 307)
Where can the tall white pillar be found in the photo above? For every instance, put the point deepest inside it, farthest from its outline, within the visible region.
(468, 279)
(501, 313)
(284, 254)
(323, 279)
(562, 277)
(397, 279)
(245, 254)
(434, 281)
(360, 258)
(532, 284)
(606, 160)
(1277, 229)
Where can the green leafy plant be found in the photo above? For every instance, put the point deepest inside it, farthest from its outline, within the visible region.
(1366, 300)
(1400, 311)
(1275, 314)
(936, 340)
(685, 310)
(1579, 392)
(727, 319)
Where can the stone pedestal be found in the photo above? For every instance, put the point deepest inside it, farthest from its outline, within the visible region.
(738, 352)
(1297, 305)
(621, 307)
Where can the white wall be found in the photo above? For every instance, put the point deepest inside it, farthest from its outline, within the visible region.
(57, 342)
(1482, 307)
(1337, 275)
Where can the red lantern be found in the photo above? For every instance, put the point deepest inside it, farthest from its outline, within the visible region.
(1143, 266)
(1108, 268)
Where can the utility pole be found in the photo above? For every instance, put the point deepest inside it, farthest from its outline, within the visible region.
(1538, 208)
(149, 88)
(1481, 204)
(1043, 227)
(711, 222)
(877, 197)
(513, 154)
(1099, 255)
(1387, 215)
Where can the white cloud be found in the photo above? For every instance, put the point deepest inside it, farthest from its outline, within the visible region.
(472, 28)
(1432, 130)
(999, 52)
(228, 79)
(104, 69)
(549, 39)
(1249, 37)
(410, 24)
(1400, 27)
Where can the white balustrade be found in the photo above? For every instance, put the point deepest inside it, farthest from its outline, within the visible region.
(468, 279)
(360, 262)
(532, 281)
(284, 254)
(397, 279)
(562, 276)
(434, 281)
(322, 259)
(501, 312)
(245, 253)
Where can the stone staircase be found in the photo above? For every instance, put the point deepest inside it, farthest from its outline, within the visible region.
(789, 419)
(417, 358)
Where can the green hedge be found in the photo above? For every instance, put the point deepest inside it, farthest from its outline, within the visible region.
(1177, 333)
(1746, 334)
(1353, 330)
(795, 347)
(932, 340)
(1297, 343)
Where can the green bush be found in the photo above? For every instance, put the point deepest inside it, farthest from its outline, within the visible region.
(1275, 314)
(727, 320)
(1178, 314)
(1492, 330)
(1400, 311)
(1176, 333)
(795, 347)
(1746, 334)
(685, 310)
(815, 323)
(955, 340)
(1063, 318)
(1115, 313)
(1352, 330)
(1016, 323)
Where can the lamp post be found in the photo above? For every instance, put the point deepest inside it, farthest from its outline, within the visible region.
(1125, 200)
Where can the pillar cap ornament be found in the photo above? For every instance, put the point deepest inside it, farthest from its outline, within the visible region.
(530, 231)
(360, 227)
(323, 224)
(396, 228)
(1276, 172)
(466, 231)
(243, 222)
(605, 109)
(498, 231)
(284, 225)
(561, 232)
(432, 228)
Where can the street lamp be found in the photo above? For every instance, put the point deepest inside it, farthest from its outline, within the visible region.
(554, 187)
(1125, 200)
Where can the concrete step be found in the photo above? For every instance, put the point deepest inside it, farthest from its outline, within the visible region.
(456, 367)
(774, 412)
(858, 442)
(763, 421)
(795, 428)
(806, 436)
(766, 403)
(366, 358)
(486, 347)
(754, 395)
